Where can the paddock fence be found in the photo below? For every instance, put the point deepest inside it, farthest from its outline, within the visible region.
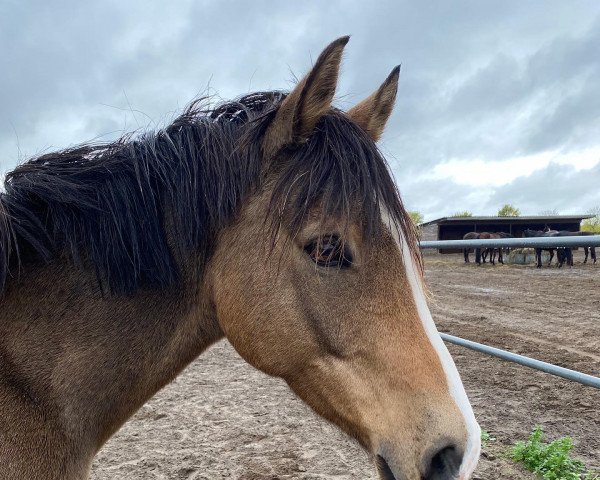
(525, 242)
(530, 242)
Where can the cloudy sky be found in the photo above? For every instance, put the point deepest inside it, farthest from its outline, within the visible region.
(499, 101)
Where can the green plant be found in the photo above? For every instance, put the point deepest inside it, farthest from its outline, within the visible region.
(416, 217)
(486, 437)
(508, 210)
(592, 224)
(586, 227)
(552, 460)
(464, 213)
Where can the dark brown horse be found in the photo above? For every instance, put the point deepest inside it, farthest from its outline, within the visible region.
(493, 251)
(469, 236)
(272, 221)
(564, 255)
(567, 256)
(481, 254)
(538, 251)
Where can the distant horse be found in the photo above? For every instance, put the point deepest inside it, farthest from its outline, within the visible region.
(272, 221)
(492, 251)
(480, 256)
(587, 250)
(538, 251)
(563, 254)
(469, 236)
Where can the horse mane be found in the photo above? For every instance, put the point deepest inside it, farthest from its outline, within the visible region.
(106, 205)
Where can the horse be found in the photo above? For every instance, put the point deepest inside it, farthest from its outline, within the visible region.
(469, 236)
(271, 221)
(563, 254)
(589, 250)
(569, 256)
(492, 251)
(481, 255)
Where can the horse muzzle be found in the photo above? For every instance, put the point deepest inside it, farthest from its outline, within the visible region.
(438, 464)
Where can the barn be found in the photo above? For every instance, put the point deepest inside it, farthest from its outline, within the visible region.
(454, 228)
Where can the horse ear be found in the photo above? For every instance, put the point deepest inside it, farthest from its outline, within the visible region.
(299, 113)
(373, 112)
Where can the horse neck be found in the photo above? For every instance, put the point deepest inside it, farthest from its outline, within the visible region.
(89, 362)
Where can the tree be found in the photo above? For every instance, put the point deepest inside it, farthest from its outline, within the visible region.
(417, 217)
(549, 213)
(508, 210)
(592, 224)
(464, 213)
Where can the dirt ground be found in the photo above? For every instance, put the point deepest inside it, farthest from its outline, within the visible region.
(223, 419)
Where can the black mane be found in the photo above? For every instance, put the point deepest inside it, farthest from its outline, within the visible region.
(106, 203)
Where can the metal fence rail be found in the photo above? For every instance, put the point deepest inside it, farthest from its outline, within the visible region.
(532, 242)
(573, 375)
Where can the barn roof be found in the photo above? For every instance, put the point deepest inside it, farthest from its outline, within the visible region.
(521, 219)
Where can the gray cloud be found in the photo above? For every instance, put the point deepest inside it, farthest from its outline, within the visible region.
(559, 187)
(556, 187)
(487, 80)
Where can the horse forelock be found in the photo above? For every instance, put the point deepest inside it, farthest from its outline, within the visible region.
(106, 203)
(338, 173)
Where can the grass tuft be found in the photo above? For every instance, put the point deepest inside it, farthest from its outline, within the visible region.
(486, 437)
(552, 461)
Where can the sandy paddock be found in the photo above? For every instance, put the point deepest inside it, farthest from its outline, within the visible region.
(223, 419)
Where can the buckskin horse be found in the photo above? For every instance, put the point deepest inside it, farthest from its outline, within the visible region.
(272, 221)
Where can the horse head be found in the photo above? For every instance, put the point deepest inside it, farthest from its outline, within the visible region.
(319, 281)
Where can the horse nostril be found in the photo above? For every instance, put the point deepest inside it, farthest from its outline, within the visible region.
(385, 472)
(444, 464)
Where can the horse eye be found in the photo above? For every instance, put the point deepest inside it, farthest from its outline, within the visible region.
(329, 252)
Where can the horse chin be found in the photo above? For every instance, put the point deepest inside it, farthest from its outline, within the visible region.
(385, 472)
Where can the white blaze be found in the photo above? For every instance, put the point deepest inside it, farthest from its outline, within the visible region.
(455, 386)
